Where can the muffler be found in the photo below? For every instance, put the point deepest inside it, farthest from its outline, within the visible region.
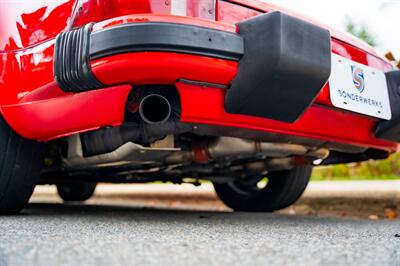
(227, 147)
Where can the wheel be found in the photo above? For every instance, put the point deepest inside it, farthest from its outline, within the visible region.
(21, 161)
(76, 191)
(282, 190)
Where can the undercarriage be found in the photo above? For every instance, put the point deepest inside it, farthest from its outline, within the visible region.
(153, 145)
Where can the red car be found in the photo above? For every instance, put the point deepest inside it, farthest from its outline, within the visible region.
(238, 92)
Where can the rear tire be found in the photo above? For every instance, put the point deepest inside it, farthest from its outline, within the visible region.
(21, 161)
(282, 190)
(76, 191)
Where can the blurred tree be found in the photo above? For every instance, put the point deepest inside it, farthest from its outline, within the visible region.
(361, 32)
(389, 56)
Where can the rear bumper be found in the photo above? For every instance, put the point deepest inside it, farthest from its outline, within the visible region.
(77, 48)
(204, 78)
(276, 62)
(390, 130)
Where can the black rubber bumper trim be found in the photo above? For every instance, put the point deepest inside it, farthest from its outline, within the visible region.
(286, 63)
(170, 37)
(390, 129)
(75, 48)
(72, 70)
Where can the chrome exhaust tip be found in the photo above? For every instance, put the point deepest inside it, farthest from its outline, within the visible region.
(155, 109)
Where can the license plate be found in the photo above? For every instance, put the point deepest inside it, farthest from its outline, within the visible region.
(359, 88)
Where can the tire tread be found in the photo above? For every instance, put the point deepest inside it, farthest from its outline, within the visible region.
(283, 189)
(20, 164)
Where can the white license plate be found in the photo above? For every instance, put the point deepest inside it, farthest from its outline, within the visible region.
(359, 88)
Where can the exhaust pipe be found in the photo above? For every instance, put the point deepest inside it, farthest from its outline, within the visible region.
(155, 109)
(158, 120)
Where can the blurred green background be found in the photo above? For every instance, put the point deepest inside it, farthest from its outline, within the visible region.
(383, 169)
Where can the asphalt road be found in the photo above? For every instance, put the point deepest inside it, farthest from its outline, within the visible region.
(105, 232)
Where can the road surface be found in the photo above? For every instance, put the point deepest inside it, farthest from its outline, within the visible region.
(193, 228)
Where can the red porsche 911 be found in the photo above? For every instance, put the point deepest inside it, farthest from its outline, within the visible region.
(241, 93)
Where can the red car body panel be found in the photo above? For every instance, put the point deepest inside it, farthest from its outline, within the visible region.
(37, 108)
(27, 23)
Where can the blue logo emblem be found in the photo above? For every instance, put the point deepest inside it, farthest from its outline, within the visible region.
(358, 78)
